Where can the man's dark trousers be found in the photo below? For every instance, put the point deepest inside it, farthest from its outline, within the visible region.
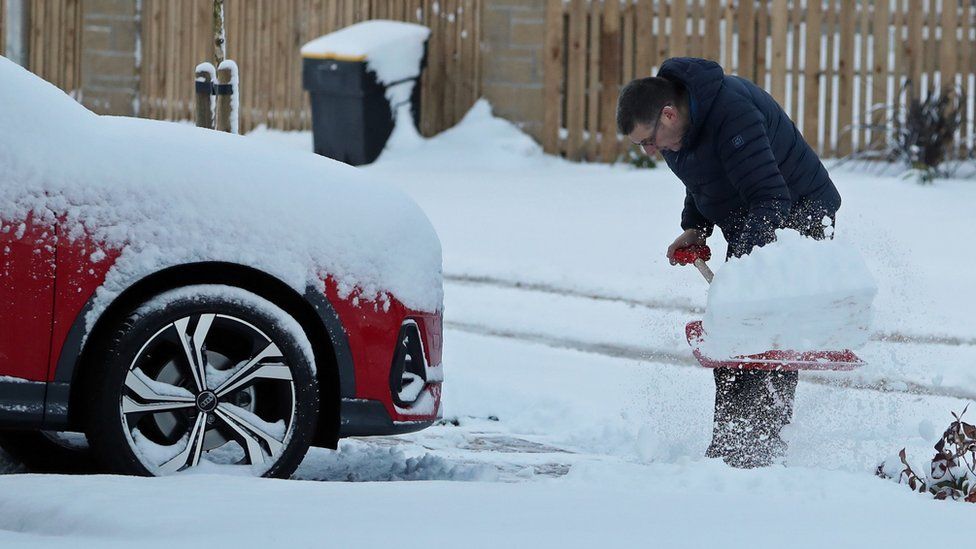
(753, 406)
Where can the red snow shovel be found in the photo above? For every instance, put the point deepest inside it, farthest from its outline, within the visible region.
(778, 360)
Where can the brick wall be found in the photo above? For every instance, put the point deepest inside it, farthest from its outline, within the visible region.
(512, 46)
(109, 79)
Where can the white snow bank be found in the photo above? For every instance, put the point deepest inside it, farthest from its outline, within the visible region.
(172, 194)
(479, 142)
(796, 293)
(599, 505)
(392, 49)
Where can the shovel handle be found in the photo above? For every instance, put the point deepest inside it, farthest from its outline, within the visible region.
(697, 256)
(704, 270)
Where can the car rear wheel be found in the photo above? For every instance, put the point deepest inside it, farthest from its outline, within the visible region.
(203, 377)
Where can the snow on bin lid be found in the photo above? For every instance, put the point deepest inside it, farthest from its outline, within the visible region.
(392, 49)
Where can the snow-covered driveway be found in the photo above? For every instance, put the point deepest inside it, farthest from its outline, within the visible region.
(575, 415)
(587, 451)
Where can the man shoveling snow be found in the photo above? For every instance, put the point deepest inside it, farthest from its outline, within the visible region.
(747, 169)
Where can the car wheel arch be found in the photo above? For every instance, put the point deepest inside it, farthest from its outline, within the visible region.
(313, 311)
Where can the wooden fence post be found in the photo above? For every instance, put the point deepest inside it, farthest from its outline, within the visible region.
(644, 39)
(780, 22)
(204, 82)
(861, 120)
(949, 56)
(552, 69)
(913, 47)
(226, 97)
(966, 63)
(829, 25)
(593, 85)
(627, 45)
(747, 39)
(845, 87)
(879, 95)
(761, 32)
(679, 29)
(712, 48)
(576, 79)
(610, 79)
(728, 61)
(795, 72)
(3, 27)
(811, 77)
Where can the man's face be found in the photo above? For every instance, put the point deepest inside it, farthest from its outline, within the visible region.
(663, 134)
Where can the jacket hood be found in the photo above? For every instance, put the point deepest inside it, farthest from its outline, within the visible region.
(703, 79)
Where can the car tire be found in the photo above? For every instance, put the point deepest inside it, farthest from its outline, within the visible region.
(257, 405)
(48, 451)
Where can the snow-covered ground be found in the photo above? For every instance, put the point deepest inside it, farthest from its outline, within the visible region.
(575, 415)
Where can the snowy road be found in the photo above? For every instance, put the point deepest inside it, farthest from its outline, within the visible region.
(654, 332)
(889, 337)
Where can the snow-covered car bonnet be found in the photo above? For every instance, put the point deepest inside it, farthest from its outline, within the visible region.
(170, 193)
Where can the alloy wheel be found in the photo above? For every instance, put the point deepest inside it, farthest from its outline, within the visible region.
(208, 387)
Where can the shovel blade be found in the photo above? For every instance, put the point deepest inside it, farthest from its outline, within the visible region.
(774, 360)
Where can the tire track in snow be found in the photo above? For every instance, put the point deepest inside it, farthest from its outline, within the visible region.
(687, 360)
(674, 305)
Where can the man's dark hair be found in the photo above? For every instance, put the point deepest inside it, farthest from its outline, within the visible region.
(641, 101)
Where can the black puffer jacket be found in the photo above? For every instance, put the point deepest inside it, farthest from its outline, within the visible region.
(744, 164)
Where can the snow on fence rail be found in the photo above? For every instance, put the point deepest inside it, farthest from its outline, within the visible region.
(828, 62)
(264, 38)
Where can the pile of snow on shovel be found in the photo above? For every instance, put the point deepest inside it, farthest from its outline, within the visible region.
(795, 293)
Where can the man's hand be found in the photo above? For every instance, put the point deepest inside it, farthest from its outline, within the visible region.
(691, 237)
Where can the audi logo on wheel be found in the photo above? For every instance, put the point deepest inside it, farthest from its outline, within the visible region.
(206, 401)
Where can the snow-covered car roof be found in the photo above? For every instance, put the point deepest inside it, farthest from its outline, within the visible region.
(170, 194)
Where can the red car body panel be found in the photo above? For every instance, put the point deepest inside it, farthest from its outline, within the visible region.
(48, 286)
(78, 277)
(372, 328)
(27, 269)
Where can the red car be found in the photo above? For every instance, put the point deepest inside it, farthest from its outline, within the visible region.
(188, 299)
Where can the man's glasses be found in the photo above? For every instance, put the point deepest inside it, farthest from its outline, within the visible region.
(651, 140)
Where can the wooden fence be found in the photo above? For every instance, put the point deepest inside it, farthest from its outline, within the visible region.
(53, 30)
(3, 27)
(264, 38)
(830, 63)
(54, 47)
